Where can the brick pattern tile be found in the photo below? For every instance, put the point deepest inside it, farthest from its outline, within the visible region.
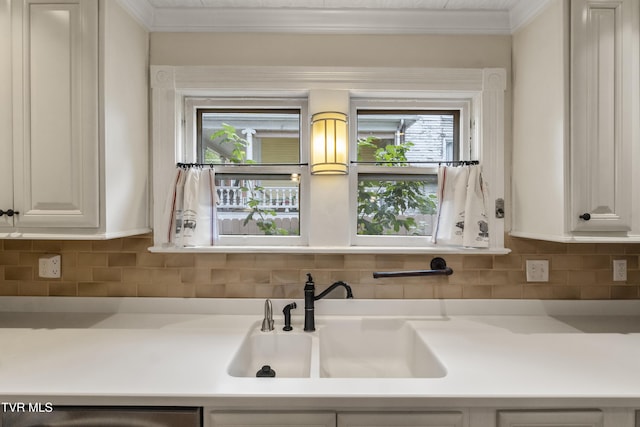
(124, 267)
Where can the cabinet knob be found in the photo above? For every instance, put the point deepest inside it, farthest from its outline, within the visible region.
(9, 212)
(585, 216)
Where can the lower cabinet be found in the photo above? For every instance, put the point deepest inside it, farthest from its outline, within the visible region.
(585, 418)
(270, 419)
(469, 417)
(332, 419)
(397, 419)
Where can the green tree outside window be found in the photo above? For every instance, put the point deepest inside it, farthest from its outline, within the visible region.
(383, 205)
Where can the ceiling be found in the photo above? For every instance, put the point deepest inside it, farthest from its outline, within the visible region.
(336, 16)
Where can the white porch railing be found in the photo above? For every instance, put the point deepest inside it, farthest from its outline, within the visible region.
(233, 198)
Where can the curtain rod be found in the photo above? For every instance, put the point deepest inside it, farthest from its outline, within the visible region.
(429, 162)
(353, 162)
(212, 165)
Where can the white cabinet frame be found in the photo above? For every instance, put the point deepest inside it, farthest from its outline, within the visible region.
(74, 137)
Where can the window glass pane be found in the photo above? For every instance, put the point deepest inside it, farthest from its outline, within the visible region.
(393, 205)
(248, 136)
(396, 201)
(258, 204)
(412, 136)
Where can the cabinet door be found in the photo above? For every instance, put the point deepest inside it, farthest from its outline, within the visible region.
(6, 138)
(270, 419)
(550, 419)
(603, 112)
(55, 110)
(397, 419)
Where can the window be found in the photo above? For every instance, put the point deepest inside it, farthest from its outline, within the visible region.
(465, 108)
(397, 152)
(255, 147)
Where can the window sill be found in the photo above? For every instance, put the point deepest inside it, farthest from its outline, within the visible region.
(331, 250)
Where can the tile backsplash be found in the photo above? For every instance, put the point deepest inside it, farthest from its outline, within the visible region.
(124, 267)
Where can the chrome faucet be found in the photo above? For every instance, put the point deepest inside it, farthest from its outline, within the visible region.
(267, 322)
(310, 297)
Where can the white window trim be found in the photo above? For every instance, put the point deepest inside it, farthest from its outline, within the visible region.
(484, 87)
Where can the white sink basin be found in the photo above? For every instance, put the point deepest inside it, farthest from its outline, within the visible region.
(339, 348)
(375, 348)
(288, 354)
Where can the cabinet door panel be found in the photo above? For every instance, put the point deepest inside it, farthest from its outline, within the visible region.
(550, 419)
(270, 419)
(55, 114)
(602, 119)
(407, 419)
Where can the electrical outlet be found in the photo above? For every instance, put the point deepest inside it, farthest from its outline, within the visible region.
(619, 270)
(537, 270)
(49, 266)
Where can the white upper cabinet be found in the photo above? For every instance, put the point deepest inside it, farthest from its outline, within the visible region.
(55, 113)
(602, 113)
(78, 117)
(576, 96)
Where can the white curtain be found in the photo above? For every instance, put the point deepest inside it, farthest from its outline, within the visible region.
(462, 211)
(190, 213)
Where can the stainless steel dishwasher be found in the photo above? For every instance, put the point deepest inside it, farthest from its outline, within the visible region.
(106, 416)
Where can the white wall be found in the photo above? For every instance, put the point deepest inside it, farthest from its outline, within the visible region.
(469, 51)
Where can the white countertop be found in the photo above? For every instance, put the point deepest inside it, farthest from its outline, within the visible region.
(177, 351)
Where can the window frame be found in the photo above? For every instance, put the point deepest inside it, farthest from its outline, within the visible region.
(467, 149)
(456, 111)
(269, 104)
(194, 103)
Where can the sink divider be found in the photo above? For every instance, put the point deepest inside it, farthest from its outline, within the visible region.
(314, 363)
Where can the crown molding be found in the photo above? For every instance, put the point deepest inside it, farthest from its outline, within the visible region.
(524, 11)
(333, 21)
(141, 10)
(323, 21)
